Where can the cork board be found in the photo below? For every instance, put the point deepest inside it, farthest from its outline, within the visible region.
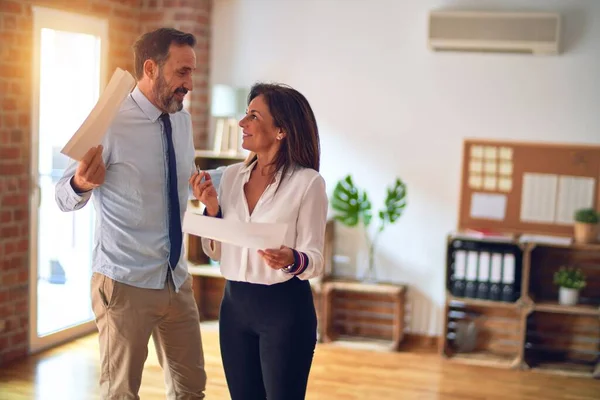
(520, 187)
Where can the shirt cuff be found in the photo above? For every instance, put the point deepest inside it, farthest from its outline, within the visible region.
(300, 263)
(219, 214)
(76, 198)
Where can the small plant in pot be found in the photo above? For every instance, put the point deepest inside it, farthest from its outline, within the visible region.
(586, 225)
(570, 281)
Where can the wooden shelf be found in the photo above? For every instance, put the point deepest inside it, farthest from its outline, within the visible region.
(579, 309)
(485, 358)
(480, 302)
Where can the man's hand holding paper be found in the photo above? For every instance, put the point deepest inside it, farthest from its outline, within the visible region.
(90, 172)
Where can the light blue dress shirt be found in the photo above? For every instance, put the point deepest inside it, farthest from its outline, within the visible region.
(131, 243)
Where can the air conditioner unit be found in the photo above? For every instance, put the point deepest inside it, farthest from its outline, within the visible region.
(535, 33)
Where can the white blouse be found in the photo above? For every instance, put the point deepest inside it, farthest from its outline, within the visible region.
(301, 202)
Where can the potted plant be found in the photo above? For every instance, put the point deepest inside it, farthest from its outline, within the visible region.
(586, 225)
(570, 281)
(353, 206)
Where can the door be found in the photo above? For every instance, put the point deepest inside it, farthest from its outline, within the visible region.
(69, 70)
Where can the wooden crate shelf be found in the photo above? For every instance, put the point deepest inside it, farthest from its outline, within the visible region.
(537, 333)
(365, 312)
(499, 334)
(467, 286)
(546, 260)
(567, 344)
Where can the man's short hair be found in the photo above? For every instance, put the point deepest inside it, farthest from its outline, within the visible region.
(155, 46)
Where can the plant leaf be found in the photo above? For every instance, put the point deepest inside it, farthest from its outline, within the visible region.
(395, 202)
(350, 204)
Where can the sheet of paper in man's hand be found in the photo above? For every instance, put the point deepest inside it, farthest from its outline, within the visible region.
(94, 127)
(254, 235)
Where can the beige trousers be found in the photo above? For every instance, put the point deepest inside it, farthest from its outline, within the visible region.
(126, 317)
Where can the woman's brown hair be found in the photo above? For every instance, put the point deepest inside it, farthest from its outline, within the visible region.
(292, 114)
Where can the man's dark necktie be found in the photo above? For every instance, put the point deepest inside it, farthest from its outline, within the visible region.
(175, 235)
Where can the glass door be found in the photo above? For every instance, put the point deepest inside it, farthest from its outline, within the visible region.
(69, 70)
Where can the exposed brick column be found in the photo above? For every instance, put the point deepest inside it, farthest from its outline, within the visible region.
(16, 53)
(189, 16)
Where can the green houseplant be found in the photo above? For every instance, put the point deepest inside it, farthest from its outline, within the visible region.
(352, 207)
(570, 281)
(586, 225)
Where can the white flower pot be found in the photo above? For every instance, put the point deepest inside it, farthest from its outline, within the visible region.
(568, 297)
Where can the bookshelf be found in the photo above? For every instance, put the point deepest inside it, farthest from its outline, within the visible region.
(531, 331)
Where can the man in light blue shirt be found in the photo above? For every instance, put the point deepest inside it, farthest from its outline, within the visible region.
(138, 182)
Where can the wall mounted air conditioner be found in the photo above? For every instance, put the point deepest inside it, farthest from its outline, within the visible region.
(535, 33)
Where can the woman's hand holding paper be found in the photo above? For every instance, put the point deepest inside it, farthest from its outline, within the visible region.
(277, 258)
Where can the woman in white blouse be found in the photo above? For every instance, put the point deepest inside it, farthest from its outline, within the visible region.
(267, 322)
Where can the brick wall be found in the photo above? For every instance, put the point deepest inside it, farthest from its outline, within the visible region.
(127, 19)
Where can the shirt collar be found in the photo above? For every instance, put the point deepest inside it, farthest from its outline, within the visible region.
(145, 105)
(248, 168)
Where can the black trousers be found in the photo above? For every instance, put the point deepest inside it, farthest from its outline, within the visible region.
(267, 335)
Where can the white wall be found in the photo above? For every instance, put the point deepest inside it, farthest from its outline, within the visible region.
(387, 106)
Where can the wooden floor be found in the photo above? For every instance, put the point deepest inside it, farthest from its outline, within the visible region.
(70, 372)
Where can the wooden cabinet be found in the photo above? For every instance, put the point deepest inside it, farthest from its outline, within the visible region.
(533, 331)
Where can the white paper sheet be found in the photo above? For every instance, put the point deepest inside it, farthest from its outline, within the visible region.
(538, 200)
(488, 206)
(574, 192)
(94, 127)
(253, 235)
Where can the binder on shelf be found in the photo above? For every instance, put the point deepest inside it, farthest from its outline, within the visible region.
(483, 276)
(496, 277)
(472, 266)
(459, 273)
(508, 277)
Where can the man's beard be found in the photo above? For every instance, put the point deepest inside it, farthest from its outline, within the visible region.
(165, 97)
